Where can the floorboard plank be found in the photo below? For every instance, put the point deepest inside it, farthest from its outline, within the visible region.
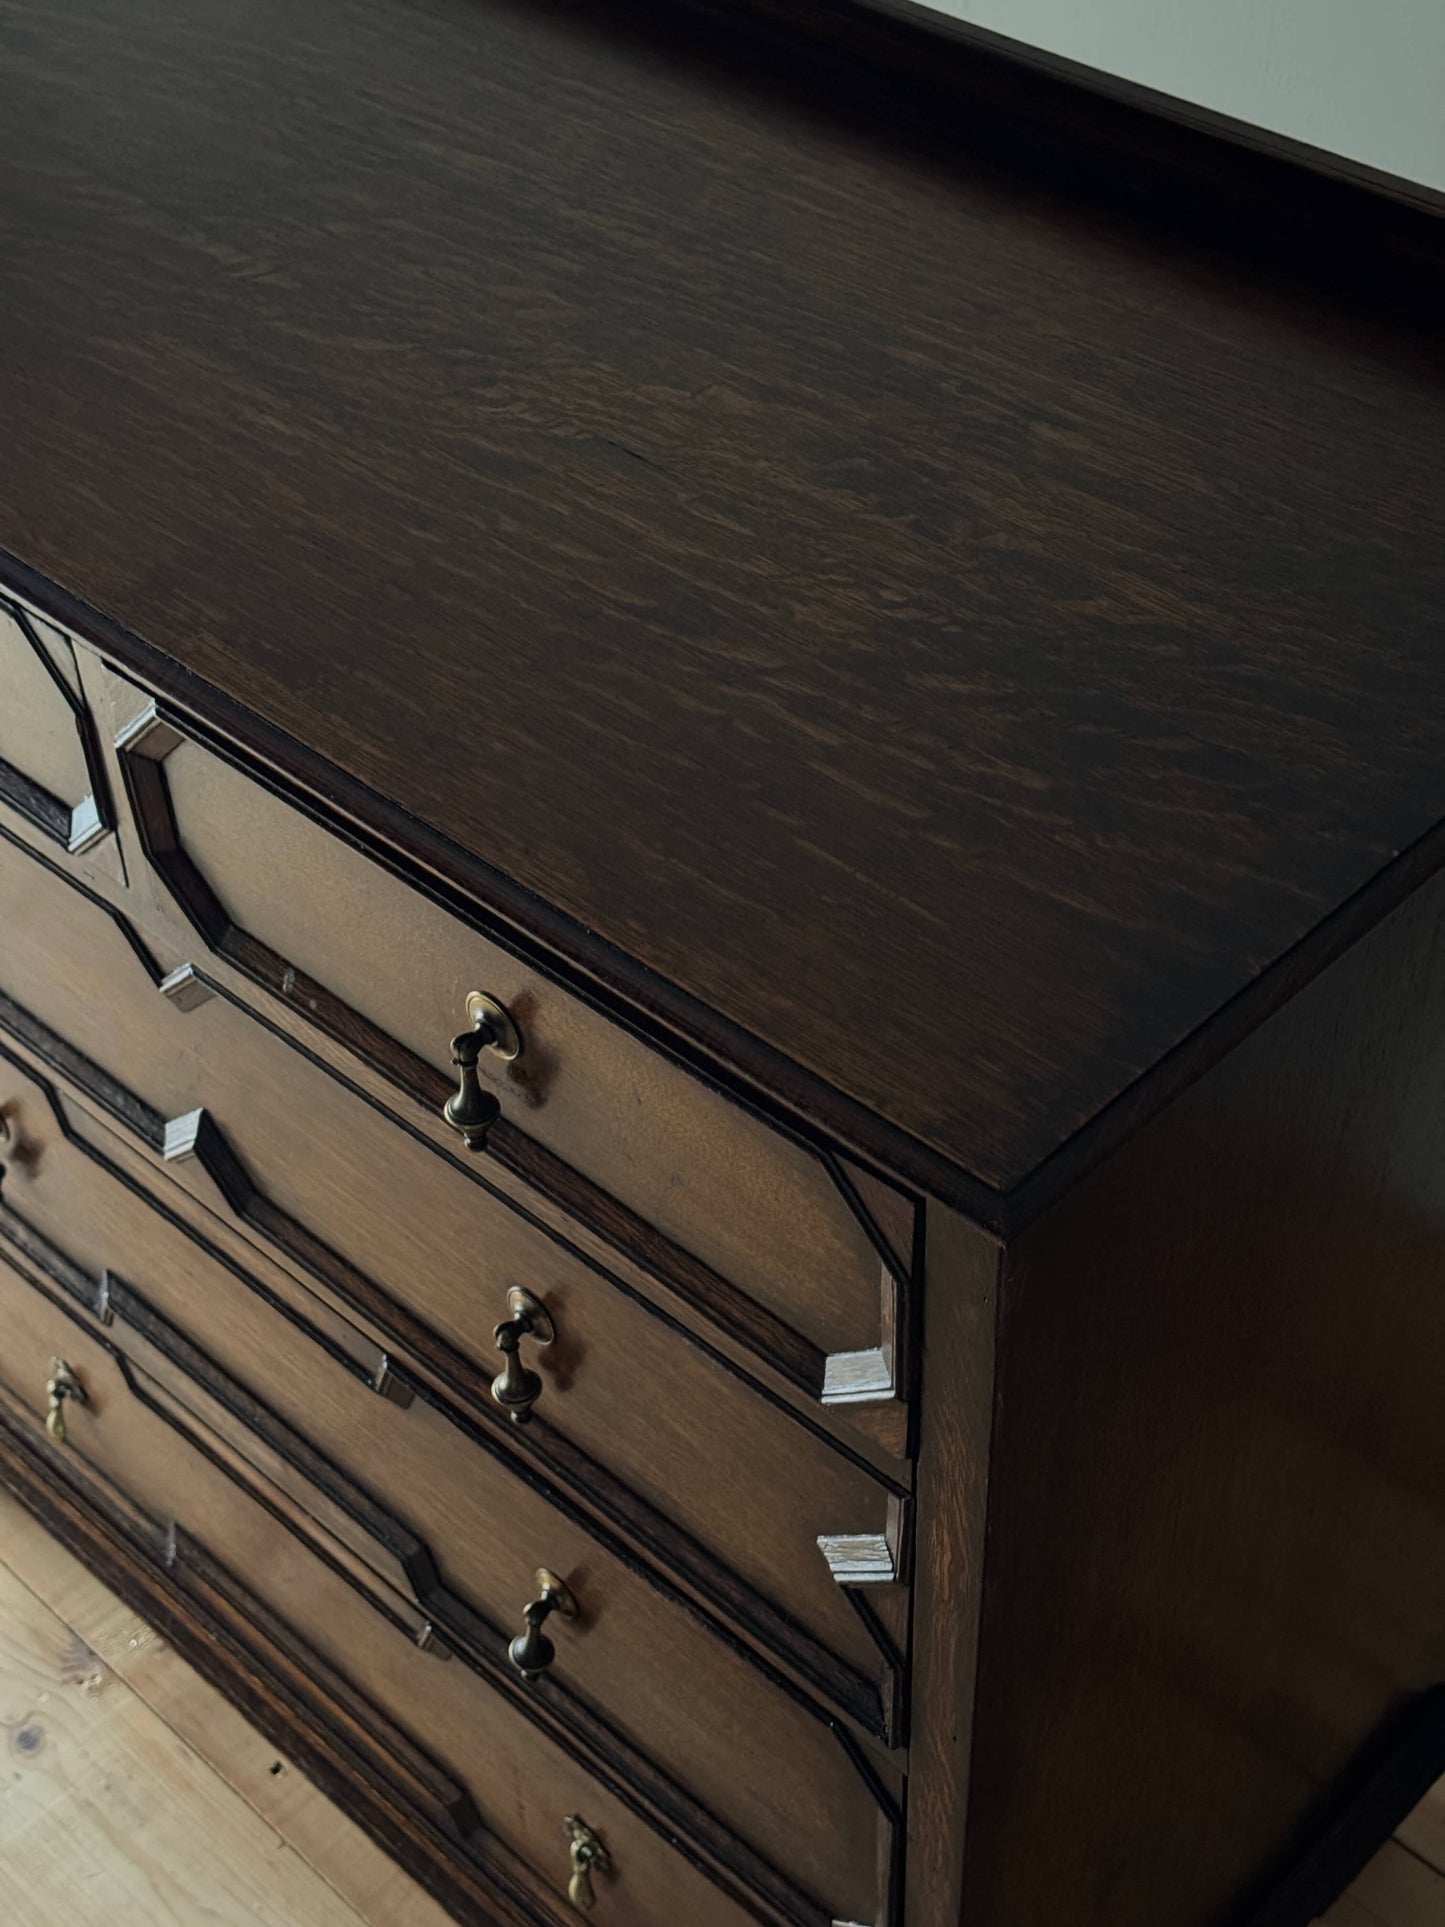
(108, 1642)
(108, 1817)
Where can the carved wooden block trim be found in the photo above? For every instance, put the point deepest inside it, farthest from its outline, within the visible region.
(858, 1378)
(871, 1558)
(386, 1563)
(142, 747)
(185, 988)
(374, 1771)
(578, 1486)
(859, 1559)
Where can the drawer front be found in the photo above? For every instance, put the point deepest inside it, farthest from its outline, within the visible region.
(130, 1429)
(417, 1229)
(49, 766)
(675, 1693)
(252, 874)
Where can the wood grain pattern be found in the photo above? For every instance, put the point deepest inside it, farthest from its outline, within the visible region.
(49, 756)
(706, 1729)
(746, 1574)
(1216, 1558)
(703, 1180)
(445, 1729)
(696, 501)
(346, 1748)
(732, 1327)
(964, 1267)
(129, 1655)
(149, 1834)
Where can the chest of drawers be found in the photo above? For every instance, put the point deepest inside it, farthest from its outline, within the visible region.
(722, 994)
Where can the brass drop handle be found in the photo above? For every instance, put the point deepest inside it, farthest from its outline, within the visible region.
(588, 1853)
(61, 1385)
(471, 1110)
(516, 1388)
(531, 1652)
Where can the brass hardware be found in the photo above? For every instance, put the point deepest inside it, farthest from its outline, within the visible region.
(61, 1385)
(516, 1388)
(532, 1652)
(588, 1853)
(470, 1109)
(489, 1016)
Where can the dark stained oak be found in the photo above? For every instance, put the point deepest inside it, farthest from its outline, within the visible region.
(1216, 1489)
(958, 636)
(394, 1570)
(351, 1665)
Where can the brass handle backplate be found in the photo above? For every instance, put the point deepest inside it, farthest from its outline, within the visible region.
(61, 1385)
(588, 1856)
(471, 1110)
(516, 1388)
(531, 1652)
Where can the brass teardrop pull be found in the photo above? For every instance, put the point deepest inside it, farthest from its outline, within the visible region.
(516, 1388)
(588, 1855)
(531, 1652)
(61, 1385)
(471, 1110)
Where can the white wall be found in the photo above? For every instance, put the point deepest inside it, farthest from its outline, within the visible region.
(1363, 78)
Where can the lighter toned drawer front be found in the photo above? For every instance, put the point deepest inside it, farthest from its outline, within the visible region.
(697, 1442)
(522, 1783)
(771, 1770)
(48, 759)
(750, 1203)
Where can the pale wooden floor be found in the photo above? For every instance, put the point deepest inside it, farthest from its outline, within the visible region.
(132, 1795)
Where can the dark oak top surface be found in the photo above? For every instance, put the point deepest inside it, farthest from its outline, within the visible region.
(959, 637)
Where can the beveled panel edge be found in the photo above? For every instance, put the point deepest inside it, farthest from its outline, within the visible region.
(188, 987)
(142, 747)
(952, 1522)
(40, 809)
(355, 1352)
(782, 1093)
(570, 1722)
(873, 1558)
(343, 1745)
(77, 827)
(576, 1485)
(889, 1479)
(50, 1275)
(122, 923)
(701, 1040)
